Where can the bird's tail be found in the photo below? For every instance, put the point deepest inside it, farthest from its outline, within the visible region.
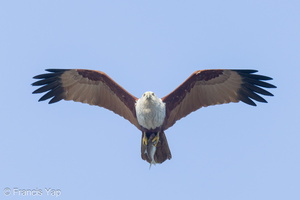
(162, 152)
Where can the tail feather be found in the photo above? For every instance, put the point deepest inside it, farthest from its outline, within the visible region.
(162, 150)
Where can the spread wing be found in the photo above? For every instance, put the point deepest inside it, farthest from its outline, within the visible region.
(210, 87)
(87, 86)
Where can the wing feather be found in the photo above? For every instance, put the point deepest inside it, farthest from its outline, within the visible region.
(210, 87)
(87, 86)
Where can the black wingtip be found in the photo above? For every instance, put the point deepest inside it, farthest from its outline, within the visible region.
(273, 86)
(56, 70)
(246, 71)
(252, 87)
(51, 84)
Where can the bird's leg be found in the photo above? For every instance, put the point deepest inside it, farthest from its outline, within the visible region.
(155, 139)
(145, 140)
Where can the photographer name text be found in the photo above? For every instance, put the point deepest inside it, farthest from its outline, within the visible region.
(15, 191)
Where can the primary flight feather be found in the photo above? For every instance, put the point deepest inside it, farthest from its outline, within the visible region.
(150, 114)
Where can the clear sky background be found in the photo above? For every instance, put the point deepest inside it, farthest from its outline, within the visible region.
(228, 152)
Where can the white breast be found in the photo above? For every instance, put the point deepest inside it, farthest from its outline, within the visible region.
(150, 111)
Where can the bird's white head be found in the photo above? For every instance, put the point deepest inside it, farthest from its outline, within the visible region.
(148, 95)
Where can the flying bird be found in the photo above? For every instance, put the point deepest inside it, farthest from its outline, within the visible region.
(150, 114)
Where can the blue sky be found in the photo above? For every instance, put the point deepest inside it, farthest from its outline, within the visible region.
(227, 152)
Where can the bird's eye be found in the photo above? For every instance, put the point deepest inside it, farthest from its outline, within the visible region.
(144, 95)
(152, 93)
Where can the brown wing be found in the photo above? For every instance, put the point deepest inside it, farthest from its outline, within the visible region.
(87, 86)
(210, 87)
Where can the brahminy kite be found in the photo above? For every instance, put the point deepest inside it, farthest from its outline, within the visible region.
(151, 114)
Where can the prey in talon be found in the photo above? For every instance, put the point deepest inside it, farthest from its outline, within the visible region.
(150, 142)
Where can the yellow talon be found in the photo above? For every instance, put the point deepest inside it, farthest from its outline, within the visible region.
(155, 139)
(145, 140)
